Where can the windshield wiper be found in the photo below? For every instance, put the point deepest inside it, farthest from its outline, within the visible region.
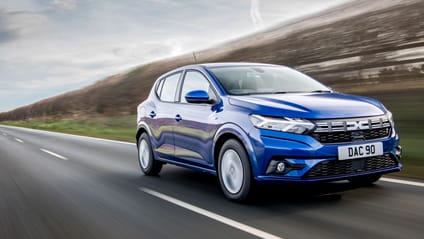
(319, 91)
(314, 91)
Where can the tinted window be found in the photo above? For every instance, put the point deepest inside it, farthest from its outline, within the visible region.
(239, 80)
(195, 80)
(169, 88)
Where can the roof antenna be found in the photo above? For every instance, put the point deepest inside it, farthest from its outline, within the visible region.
(194, 57)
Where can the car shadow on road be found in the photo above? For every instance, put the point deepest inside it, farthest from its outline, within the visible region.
(298, 193)
(192, 184)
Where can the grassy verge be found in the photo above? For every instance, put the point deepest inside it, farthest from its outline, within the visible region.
(407, 110)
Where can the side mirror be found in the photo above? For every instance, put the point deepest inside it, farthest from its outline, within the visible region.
(197, 96)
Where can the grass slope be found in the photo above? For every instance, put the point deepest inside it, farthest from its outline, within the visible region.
(117, 128)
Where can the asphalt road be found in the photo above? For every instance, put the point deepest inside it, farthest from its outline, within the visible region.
(63, 186)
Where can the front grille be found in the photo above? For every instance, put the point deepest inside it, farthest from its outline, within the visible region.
(350, 136)
(332, 168)
(352, 129)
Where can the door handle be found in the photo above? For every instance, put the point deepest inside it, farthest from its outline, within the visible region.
(178, 118)
(152, 114)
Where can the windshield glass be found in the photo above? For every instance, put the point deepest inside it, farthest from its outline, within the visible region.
(242, 80)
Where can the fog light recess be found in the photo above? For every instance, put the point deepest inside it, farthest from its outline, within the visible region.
(278, 167)
(281, 167)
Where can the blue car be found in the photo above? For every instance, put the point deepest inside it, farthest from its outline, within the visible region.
(249, 123)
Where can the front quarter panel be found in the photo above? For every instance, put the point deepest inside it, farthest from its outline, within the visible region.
(235, 130)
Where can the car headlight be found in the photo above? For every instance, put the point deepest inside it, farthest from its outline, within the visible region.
(389, 116)
(290, 125)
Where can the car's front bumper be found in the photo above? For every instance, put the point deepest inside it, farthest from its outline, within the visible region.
(279, 178)
(310, 161)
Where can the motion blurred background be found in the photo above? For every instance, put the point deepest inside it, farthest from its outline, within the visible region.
(371, 48)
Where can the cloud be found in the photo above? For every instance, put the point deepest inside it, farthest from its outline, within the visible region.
(15, 24)
(255, 14)
(6, 34)
(52, 46)
(166, 2)
(69, 5)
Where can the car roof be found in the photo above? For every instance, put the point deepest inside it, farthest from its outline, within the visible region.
(222, 64)
(216, 64)
(225, 64)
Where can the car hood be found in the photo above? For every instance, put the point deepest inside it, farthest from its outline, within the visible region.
(310, 105)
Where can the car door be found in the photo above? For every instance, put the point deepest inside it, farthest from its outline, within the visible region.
(162, 116)
(196, 123)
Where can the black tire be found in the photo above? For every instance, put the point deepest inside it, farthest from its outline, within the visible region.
(240, 191)
(150, 166)
(365, 180)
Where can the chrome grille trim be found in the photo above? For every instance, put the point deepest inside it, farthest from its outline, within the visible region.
(351, 124)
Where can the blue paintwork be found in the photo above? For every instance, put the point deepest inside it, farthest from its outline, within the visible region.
(310, 105)
(186, 134)
(197, 96)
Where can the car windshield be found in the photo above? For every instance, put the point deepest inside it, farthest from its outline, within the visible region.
(244, 80)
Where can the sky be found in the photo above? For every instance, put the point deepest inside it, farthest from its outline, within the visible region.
(49, 47)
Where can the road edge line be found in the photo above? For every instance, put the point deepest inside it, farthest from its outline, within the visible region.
(400, 181)
(67, 134)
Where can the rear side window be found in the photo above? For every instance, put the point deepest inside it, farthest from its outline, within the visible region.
(167, 88)
(159, 87)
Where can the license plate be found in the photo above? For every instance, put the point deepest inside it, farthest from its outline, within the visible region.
(360, 151)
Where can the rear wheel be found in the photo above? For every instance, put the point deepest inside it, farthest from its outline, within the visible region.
(149, 166)
(234, 171)
(365, 180)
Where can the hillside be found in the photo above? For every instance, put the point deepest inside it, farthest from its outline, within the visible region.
(360, 47)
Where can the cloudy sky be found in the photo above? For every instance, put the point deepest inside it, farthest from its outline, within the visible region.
(48, 47)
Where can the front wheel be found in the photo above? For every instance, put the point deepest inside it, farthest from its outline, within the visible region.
(365, 180)
(234, 171)
(149, 166)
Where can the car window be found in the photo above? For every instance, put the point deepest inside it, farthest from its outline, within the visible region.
(169, 88)
(195, 80)
(159, 87)
(240, 80)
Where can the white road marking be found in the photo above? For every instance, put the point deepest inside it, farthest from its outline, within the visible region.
(400, 181)
(71, 135)
(214, 216)
(54, 154)
(19, 140)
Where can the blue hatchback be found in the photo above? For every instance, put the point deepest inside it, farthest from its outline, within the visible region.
(250, 122)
